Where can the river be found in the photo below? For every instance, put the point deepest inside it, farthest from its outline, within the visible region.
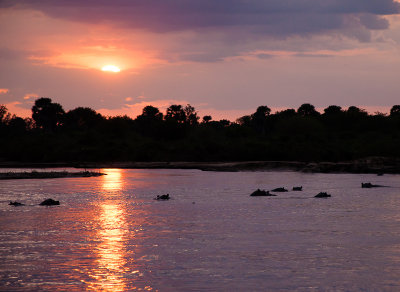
(109, 234)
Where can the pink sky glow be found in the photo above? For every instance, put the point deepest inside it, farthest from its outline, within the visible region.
(224, 62)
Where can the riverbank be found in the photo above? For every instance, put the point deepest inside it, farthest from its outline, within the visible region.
(378, 165)
(46, 174)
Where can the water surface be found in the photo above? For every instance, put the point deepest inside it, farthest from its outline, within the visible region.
(109, 234)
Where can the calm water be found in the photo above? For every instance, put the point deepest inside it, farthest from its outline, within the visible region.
(109, 234)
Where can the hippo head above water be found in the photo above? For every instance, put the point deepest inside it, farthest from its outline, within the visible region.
(49, 202)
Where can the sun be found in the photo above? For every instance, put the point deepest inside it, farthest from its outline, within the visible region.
(111, 68)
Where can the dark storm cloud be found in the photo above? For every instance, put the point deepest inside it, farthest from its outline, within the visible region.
(279, 18)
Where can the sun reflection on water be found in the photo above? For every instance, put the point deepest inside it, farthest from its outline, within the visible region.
(112, 181)
(110, 270)
(115, 268)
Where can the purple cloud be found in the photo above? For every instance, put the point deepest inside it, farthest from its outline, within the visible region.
(279, 18)
(226, 28)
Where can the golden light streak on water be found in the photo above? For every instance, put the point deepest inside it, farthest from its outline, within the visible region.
(112, 181)
(110, 270)
(113, 272)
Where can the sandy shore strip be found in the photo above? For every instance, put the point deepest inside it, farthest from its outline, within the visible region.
(46, 174)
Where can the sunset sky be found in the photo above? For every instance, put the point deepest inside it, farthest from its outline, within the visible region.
(223, 57)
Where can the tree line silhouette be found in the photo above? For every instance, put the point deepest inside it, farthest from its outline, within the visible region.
(83, 135)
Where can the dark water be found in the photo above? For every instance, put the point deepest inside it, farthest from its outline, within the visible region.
(109, 234)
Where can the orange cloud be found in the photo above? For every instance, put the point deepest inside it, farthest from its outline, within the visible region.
(3, 90)
(14, 108)
(66, 44)
(30, 95)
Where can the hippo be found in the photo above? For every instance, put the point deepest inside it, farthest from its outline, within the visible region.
(322, 195)
(15, 204)
(298, 188)
(369, 185)
(280, 190)
(49, 202)
(261, 193)
(162, 197)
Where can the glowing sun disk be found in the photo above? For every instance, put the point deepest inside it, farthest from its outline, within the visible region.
(110, 68)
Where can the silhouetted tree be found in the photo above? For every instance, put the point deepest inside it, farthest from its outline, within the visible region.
(307, 110)
(5, 116)
(356, 113)
(46, 114)
(395, 110)
(191, 115)
(224, 122)
(150, 122)
(262, 112)
(82, 118)
(152, 113)
(206, 119)
(17, 125)
(30, 124)
(333, 110)
(244, 121)
(288, 113)
(259, 118)
(87, 136)
(119, 125)
(333, 118)
(176, 114)
(282, 115)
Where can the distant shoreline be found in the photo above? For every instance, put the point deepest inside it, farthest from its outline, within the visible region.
(378, 165)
